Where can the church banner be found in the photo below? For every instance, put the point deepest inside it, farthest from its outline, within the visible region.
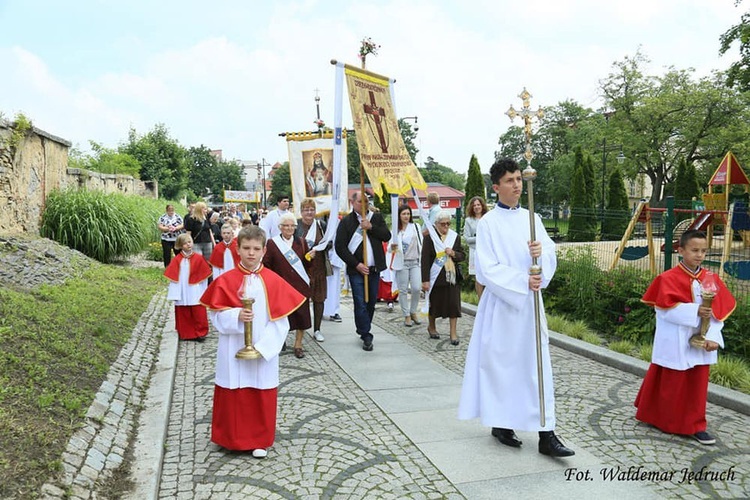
(311, 171)
(381, 148)
(242, 196)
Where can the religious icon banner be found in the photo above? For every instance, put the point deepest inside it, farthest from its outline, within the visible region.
(381, 148)
(311, 171)
(242, 196)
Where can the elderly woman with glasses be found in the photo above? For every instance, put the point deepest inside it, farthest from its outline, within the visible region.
(285, 255)
(441, 275)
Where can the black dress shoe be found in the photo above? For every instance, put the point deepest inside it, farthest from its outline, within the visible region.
(507, 437)
(367, 346)
(550, 445)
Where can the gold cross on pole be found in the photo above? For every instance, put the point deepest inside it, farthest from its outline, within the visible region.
(527, 115)
(529, 174)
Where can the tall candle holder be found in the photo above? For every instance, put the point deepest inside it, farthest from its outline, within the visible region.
(708, 292)
(247, 352)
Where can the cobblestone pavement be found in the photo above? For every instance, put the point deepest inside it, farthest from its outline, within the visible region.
(594, 405)
(332, 441)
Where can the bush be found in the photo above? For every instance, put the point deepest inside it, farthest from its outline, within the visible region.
(154, 251)
(645, 351)
(572, 291)
(736, 339)
(609, 302)
(731, 372)
(622, 346)
(106, 227)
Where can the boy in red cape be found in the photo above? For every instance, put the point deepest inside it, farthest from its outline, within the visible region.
(224, 256)
(245, 390)
(187, 278)
(672, 397)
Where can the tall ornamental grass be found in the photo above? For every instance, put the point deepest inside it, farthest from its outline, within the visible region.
(105, 227)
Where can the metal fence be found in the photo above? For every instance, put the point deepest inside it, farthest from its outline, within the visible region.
(642, 244)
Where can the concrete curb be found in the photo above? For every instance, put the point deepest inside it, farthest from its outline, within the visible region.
(148, 451)
(728, 398)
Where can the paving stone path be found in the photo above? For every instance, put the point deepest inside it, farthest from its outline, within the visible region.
(594, 406)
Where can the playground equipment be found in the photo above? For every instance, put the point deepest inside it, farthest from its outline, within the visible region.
(714, 211)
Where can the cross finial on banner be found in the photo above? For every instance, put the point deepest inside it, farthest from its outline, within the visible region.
(527, 114)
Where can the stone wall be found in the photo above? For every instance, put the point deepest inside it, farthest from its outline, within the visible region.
(37, 165)
(28, 173)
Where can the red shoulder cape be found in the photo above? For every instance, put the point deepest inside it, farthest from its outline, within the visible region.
(674, 287)
(199, 269)
(281, 298)
(217, 256)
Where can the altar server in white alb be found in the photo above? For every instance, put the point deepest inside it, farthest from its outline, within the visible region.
(245, 392)
(500, 383)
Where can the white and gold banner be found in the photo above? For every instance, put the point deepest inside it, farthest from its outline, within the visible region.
(311, 171)
(242, 196)
(381, 148)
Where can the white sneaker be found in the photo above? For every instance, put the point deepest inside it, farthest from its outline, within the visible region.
(260, 453)
(318, 336)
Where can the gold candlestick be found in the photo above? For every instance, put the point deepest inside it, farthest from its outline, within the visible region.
(699, 339)
(248, 352)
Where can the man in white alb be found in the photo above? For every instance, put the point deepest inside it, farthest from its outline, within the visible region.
(500, 383)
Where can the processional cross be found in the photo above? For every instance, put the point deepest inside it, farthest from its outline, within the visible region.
(378, 114)
(529, 174)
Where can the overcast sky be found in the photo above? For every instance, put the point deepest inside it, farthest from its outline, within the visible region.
(233, 74)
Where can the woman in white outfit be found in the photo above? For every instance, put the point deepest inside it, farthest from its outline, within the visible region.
(475, 209)
(408, 243)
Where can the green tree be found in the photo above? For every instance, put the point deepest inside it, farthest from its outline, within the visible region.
(352, 158)
(435, 172)
(228, 175)
(281, 184)
(161, 159)
(582, 213)
(684, 188)
(209, 175)
(617, 215)
(105, 160)
(474, 183)
(738, 74)
(662, 119)
(201, 164)
(409, 135)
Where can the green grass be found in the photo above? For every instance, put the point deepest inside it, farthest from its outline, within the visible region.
(56, 346)
(731, 372)
(469, 297)
(645, 351)
(622, 346)
(574, 329)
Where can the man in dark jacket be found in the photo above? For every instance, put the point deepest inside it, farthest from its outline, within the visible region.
(349, 245)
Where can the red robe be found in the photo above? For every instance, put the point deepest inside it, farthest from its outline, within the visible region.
(191, 321)
(217, 256)
(199, 269)
(674, 401)
(675, 287)
(281, 298)
(244, 417)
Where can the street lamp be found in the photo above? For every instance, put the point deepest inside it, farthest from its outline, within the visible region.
(416, 125)
(261, 168)
(263, 165)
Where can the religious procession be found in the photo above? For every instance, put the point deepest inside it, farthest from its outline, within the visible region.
(328, 240)
(396, 337)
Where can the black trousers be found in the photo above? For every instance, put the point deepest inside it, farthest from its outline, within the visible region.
(167, 249)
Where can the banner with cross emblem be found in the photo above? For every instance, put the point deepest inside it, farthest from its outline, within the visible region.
(381, 148)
